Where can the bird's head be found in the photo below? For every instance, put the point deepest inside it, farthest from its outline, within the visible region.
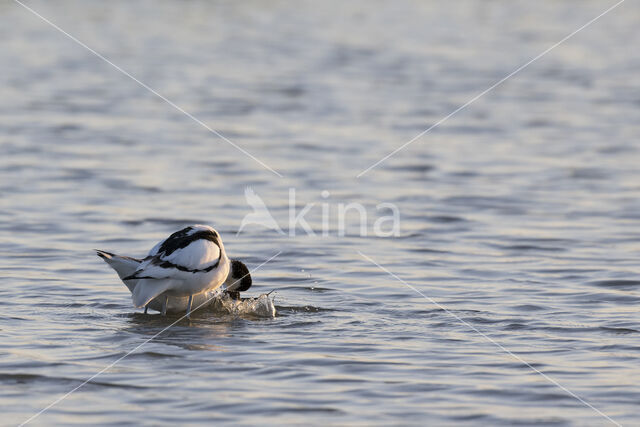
(239, 278)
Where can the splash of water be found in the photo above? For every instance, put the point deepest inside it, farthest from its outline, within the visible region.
(261, 306)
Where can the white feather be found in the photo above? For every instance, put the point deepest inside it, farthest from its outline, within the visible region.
(148, 289)
(200, 266)
(196, 256)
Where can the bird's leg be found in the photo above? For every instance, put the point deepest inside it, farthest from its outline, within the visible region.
(189, 307)
(164, 305)
(146, 307)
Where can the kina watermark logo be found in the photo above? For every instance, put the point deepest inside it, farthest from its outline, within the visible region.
(328, 219)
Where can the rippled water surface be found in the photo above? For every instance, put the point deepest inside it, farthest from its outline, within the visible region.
(520, 215)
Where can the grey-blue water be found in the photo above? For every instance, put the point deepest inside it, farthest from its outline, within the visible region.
(520, 215)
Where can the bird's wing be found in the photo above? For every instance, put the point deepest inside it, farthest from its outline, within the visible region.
(174, 240)
(147, 289)
(189, 250)
(123, 265)
(197, 255)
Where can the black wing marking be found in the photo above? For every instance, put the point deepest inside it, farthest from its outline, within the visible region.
(182, 239)
(108, 255)
(178, 240)
(167, 264)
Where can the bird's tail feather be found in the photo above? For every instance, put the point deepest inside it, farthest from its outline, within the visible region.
(124, 266)
(148, 289)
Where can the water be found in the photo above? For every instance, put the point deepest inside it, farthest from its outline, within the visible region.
(519, 215)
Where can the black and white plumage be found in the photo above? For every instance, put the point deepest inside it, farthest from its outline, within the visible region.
(239, 279)
(191, 263)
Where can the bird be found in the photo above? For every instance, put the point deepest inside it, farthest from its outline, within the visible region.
(238, 280)
(260, 214)
(190, 262)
